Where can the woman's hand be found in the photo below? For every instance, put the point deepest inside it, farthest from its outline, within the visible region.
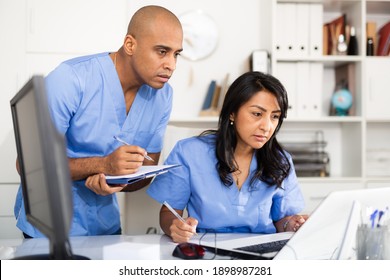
(291, 223)
(182, 232)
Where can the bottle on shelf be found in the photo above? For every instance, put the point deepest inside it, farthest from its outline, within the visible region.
(342, 45)
(353, 43)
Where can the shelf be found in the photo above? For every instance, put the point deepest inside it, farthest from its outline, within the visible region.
(329, 119)
(379, 120)
(194, 120)
(328, 61)
(357, 180)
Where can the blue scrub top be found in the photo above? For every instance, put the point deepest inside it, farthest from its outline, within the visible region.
(197, 186)
(88, 107)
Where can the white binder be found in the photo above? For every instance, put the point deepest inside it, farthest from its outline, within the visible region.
(285, 40)
(302, 29)
(279, 38)
(286, 73)
(315, 29)
(303, 90)
(316, 70)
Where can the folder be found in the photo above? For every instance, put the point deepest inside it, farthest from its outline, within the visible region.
(286, 73)
(279, 30)
(303, 90)
(316, 70)
(290, 29)
(285, 37)
(315, 30)
(209, 95)
(145, 171)
(302, 39)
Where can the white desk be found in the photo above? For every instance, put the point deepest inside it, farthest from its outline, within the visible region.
(149, 246)
(319, 237)
(112, 247)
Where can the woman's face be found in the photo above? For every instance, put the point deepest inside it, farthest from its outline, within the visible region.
(256, 120)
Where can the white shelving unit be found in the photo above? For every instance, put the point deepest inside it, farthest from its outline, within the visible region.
(358, 143)
(359, 155)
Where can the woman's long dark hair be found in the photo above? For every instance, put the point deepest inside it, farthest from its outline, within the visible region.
(273, 165)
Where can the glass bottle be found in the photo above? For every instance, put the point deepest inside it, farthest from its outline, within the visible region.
(370, 46)
(353, 43)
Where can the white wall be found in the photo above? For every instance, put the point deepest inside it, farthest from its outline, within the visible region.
(243, 27)
(37, 35)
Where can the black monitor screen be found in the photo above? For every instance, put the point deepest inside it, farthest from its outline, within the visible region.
(44, 170)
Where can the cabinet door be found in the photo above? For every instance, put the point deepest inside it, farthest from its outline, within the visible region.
(315, 193)
(378, 88)
(8, 229)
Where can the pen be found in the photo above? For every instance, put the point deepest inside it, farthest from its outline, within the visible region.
(175, 213)
(124, 142)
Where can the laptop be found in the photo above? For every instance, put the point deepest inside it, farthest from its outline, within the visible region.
(330, 232)
(243, 245)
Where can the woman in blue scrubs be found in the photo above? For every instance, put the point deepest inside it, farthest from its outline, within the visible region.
(236, 178)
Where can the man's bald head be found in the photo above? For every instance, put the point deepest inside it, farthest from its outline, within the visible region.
(147, 17)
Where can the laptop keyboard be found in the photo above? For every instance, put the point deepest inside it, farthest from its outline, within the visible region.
(262, 248)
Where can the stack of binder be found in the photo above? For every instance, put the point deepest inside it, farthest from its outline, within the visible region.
(309, 157)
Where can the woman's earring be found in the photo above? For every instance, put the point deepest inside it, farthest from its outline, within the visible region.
(231, 122)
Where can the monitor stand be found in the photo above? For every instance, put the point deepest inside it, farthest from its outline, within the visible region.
(50, 257)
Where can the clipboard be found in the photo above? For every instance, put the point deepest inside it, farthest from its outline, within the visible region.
(145, 171)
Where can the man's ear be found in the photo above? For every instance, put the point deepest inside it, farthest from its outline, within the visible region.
(129, 44)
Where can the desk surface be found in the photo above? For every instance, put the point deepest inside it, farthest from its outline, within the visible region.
(317, 239)
(149, 246)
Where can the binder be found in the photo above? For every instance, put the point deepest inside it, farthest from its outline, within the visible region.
(315, 29)
(315, 80)
(279, 32)
(309, 78)
(286, 73)
(302, 39)
(290, 36)
(145, 171)
(303, 90)
(285, 37)
(209, 95)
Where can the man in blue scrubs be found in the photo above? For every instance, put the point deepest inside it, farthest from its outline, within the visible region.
(123, 94)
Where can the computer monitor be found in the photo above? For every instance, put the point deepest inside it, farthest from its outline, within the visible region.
(44, 170)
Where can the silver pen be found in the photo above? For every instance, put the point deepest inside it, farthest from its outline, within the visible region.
(175, 213)
(124, 142)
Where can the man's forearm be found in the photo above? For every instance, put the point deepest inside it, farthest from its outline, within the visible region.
(81, 168)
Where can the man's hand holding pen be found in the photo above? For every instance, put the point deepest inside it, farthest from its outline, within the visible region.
(126, 159)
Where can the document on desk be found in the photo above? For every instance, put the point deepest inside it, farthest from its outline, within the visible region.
(145, 171)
